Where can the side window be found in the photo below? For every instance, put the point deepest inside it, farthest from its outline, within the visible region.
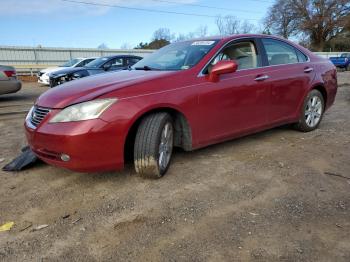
(131, 61)
(84, 62)
(279, 53)
(114, 64)
(243, 53)
(301, 57)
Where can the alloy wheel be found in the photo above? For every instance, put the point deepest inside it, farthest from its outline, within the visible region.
(165, 146)
(313, 111)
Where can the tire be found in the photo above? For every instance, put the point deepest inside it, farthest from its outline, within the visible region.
(154, 145)
(312, 112)
(348, 68)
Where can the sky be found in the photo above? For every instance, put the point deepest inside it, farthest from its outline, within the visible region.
(56, 23)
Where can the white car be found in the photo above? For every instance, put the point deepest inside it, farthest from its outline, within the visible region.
(43, 75)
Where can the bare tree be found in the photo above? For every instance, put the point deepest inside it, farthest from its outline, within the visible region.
(102, 46)
(321, 20)
(227, 25)
(247, 28)
(126, 46)
(281, 19)
(202, 31)
(162, 34)
(230, 25)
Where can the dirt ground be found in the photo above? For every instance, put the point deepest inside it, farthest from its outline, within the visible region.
(280, 195)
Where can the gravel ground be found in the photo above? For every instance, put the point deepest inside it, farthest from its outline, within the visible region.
(279, 195)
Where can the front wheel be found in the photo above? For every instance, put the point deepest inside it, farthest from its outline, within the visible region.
(154, 145)
(312, 112)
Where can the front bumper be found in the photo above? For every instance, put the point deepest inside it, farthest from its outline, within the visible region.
(44, 80)
(92, 145)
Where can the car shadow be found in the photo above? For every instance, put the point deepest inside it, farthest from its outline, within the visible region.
(129, 170)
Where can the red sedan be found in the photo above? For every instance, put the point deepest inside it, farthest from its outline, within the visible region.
(188, 94)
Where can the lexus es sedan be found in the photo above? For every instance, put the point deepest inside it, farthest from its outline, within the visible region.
(97, 66)
(8, 80)
(43, 75)
(188, 94)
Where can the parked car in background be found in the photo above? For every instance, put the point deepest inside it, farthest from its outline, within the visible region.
(343, 61)
(43, 75)
(188, 94)
(99, 65)
(8, 80)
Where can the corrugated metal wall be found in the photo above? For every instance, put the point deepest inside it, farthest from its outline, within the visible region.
(10, 55)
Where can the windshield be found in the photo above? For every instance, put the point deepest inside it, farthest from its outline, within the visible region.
(177, 56)
(345, 55)
(70, 63)
(97, 63)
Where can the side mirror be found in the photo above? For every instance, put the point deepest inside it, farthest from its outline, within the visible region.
(220, 68)
(106, 67)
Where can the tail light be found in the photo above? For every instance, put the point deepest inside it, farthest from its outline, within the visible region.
(10, 73)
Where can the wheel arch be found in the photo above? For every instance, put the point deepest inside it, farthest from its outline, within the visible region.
(321, 88)
(183, 131)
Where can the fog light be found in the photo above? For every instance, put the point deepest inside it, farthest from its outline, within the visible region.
(65, 157)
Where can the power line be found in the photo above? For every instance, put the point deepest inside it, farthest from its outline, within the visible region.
(207, 6)
(262, 1)
(146, 9)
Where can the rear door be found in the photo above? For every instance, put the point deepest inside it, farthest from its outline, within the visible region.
(290, 74)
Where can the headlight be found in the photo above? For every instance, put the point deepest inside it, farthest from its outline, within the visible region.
(76, 76)
(83, 111)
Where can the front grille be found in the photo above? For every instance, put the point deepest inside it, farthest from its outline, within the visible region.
(38, 114)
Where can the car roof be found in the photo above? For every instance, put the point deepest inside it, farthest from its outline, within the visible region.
(231, 37)
(114, 56)
(83, 58)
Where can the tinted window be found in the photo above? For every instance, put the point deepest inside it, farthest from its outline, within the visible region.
(279, 53)
(97, 62)
(84, 62)
(243, 53)
(132, 61)
(70, 62)
(114, 63)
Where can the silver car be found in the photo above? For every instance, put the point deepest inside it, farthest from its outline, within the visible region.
(8, 80)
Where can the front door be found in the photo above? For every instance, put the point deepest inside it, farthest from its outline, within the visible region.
(238, 102)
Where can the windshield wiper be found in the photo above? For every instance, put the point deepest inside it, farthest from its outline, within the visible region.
(147, 68)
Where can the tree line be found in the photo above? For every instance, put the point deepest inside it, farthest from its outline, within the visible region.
(320, 25)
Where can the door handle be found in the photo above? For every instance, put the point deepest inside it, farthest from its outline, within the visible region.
(262, 78)
(308, 70)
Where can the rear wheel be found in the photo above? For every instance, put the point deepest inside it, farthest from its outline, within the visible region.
(154, 145)
(312, 112)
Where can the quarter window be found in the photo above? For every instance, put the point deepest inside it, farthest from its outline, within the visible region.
(279, 53)
(301, 57)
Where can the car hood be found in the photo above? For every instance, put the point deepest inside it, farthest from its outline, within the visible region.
(89, 88)
(52, 69)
